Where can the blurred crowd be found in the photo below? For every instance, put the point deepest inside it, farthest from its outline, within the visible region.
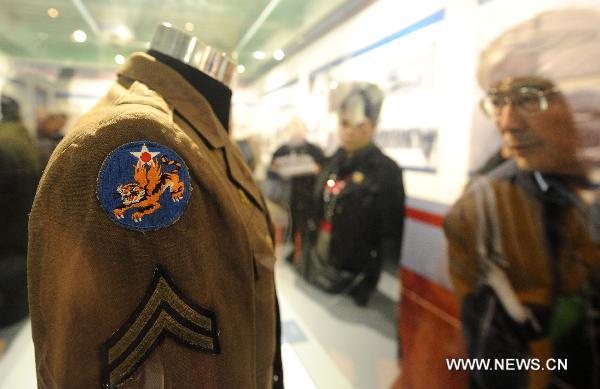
(523, 239)
(23, 156)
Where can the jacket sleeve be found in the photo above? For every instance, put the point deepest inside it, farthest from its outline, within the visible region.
(460, 231)
(88, 276)
(317, 154)
(391, 214)
(280, 152)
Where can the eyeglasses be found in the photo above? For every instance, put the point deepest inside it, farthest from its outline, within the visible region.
(528, 100)
(347, 125)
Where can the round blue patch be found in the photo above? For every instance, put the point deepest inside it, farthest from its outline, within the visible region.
(143, 186)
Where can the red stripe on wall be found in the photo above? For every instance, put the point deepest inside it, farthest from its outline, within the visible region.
(430, 333)
(430, 294)
(425, 217)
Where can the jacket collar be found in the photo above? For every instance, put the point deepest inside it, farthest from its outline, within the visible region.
(361, 157)
(550, 188)
(178, 93)
(195, 111)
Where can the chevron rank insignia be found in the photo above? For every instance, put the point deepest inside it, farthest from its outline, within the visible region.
(164, 312)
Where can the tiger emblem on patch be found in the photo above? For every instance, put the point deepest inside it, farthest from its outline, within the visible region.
(143, 186)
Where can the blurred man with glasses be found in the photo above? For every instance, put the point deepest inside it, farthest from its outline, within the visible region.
(535, 124)
(522, 255)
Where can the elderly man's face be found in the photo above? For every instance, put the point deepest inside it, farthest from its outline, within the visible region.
(539, 139)
(355, 137)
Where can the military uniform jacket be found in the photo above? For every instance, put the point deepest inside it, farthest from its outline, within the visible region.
(188, 304)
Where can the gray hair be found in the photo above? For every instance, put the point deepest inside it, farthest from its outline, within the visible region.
(556, 45)
(364, 101)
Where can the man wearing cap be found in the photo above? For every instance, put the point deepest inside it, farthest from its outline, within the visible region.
(521, 255)
(359, 216)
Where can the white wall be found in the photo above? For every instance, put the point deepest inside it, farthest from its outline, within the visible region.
(79, 95)
(384, 18)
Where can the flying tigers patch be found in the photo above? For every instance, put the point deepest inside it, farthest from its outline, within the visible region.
(143, 186)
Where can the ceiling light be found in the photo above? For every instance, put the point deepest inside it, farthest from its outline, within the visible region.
(259, 55)
(167, 24)
(53, 12)
(79, 36)
(123, 33)
(241, 69)
(278, 55)
(119, 59)
(189, 27)
(333, 85)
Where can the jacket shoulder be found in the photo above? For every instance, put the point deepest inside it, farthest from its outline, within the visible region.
(79, 158)
(505, 171)
(501, 182)
(387, 163)
(114, 125)
(115, 116)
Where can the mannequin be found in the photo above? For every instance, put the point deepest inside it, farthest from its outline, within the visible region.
(204, 67)
(158, 270)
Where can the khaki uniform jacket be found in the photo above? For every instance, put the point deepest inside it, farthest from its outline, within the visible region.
(191, 305)
(524, 248)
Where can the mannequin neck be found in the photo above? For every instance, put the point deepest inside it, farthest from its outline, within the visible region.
(217, 94)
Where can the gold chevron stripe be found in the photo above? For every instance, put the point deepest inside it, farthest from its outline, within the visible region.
(164, 321)
(162, 312)
(163, 292)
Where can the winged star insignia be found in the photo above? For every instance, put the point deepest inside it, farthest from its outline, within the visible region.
(143, 186)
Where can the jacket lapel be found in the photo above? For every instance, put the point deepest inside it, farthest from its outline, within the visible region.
(179, 94)
(241, 175)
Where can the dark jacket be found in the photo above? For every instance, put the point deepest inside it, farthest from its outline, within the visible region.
(19, 173)
(367, 217)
